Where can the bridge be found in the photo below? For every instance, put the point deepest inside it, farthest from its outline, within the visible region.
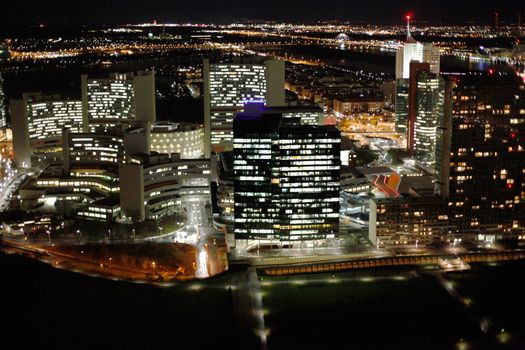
(367, 263)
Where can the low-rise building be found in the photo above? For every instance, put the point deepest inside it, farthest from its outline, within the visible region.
(408, 221)
(106, 209)
(151, 186)
(356, 105)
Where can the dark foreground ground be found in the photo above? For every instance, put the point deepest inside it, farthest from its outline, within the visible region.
(47, 308)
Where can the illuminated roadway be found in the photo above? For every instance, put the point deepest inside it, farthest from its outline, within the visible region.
(198, 233)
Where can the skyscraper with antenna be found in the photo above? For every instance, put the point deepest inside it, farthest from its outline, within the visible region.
(411, 51)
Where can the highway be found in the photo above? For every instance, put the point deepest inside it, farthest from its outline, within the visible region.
(77, 263)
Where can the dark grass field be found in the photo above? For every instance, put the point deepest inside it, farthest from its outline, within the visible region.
(47, 308)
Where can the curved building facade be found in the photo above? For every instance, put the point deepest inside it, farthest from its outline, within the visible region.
(183, 138)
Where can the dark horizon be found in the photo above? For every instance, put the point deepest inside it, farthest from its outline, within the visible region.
(114, 12)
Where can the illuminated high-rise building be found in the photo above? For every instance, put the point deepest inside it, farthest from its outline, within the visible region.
(425, 112)
(419, 52)
(286, 177)
(38, 121)
(401, 106)
(3, 119)
(4, 54)
(228, 86)
(411, 51)
(119, 99)
(486, 183)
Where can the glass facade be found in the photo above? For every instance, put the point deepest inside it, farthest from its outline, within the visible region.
(3, 120)
(401, 106)
(306, 181)
(286, 178)
(429, 115)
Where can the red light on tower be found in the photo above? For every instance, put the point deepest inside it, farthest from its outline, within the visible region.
(509, 186)
(408, 16)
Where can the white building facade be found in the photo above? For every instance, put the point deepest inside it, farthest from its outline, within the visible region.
(183, 138)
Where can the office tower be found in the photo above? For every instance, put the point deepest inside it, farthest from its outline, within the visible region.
(411, 51)
(286, 177)
(443, 142)
(228, 86)
(308, 173)
(118, 99)
(4, 54)
(487, 156)
(401, 106)
(425, 112)
(431, 56)
(3, 120)
(255, 211)
(37, 121)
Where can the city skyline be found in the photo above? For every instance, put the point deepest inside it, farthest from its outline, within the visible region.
(376, 11)
(254, 176)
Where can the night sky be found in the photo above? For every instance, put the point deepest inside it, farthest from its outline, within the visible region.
(50, 12)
